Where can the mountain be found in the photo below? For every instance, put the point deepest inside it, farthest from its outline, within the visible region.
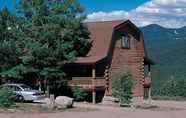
(156, 32)
(167, 48)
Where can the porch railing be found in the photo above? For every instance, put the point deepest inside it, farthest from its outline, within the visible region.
(87, 82)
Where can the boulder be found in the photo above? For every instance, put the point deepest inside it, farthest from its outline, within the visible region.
(64, 102)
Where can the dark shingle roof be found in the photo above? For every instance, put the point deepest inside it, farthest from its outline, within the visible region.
(101, 34)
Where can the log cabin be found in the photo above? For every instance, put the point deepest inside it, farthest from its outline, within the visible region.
(115, 44)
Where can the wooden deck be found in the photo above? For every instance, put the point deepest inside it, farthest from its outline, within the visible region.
(88, 83)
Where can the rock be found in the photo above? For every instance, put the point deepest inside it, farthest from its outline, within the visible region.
(64, 102)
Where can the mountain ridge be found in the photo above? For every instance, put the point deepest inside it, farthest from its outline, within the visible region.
(167, 48)
(157, 25)
(157, 32)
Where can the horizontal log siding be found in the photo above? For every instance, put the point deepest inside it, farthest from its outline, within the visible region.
(132, 59)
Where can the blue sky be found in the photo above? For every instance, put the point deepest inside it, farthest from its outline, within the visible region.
(7, 3)
(110, 5)
(97, 5)
(167, 13)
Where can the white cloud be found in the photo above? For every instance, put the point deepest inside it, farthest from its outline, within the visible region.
(168, 13)
(166, 7)
(102, 16)
(170, 3)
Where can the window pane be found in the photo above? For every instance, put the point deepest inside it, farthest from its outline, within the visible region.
(125, 41)
(26, 87)
(17, 88)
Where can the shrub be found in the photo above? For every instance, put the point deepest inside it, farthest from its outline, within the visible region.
(122, 84)
(79, 94)
(6, 97)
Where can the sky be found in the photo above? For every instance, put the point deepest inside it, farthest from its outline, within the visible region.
(167, 13)
(110, 5)
(7, 3)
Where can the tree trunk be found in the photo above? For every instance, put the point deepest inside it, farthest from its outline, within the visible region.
(39, 83)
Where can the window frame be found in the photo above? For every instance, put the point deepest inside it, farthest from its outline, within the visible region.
(125, 38)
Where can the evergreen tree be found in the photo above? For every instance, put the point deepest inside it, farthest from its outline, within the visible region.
(46, 35)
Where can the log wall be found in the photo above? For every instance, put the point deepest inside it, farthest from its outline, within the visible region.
(133, 59)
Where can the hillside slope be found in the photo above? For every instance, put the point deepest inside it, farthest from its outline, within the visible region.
(167, 48)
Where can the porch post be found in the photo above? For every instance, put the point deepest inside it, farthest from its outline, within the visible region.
(107, 82)
(149, 68)
(93, 84)
(149, 91)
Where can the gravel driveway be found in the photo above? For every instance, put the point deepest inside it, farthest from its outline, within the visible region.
(166, 109)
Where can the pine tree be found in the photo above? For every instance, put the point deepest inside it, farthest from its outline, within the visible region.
(47, 34)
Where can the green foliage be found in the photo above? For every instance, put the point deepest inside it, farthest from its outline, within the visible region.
(6, 98)
(47, 35)
(10, 39)
(69, 8)
(122, 84)
(173, 88)
(79, 94)
(8, 54)
(56, 35)
(167, 49)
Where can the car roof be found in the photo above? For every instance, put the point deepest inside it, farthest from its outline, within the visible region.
(14, 84)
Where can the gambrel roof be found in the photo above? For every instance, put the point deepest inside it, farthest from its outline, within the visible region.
(101, 33)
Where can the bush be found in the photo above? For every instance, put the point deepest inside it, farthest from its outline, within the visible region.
(79, 94)
(122, 84)
(6, 97)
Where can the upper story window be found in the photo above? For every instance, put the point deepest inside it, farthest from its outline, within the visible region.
(125, 41)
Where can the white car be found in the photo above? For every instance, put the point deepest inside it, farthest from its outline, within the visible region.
(24, 92)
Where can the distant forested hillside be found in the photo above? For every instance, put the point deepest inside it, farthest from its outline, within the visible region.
(167, 48)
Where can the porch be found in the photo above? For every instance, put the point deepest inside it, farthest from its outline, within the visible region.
(93, 82)
(87, 83)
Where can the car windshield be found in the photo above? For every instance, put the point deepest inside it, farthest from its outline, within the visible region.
(26, 88)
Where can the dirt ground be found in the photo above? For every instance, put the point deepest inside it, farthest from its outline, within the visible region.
(163, 109)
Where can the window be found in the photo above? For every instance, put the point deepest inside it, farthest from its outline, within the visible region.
(125, 41)
(17, 88)
(26, 88)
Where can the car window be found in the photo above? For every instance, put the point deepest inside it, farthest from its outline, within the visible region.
(26, 88)
(13, 88)
(16, 88)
